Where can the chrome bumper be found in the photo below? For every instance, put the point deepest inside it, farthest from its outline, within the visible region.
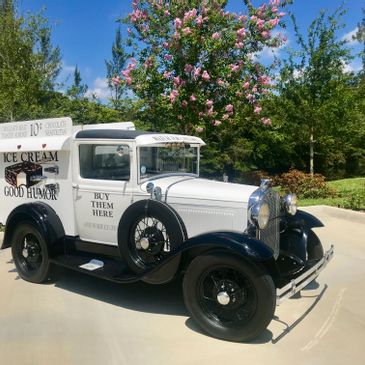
(303, 280)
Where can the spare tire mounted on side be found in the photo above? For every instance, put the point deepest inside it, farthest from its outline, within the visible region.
(149, 230)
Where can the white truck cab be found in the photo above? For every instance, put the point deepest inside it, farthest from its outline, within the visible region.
(129, 205)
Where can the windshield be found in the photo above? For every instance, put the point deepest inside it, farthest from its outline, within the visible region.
(168, 159)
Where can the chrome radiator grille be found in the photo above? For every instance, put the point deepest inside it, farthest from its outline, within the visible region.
(271, 234)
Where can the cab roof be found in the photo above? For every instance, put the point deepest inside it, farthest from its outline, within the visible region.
(142, 138)
(109, 134)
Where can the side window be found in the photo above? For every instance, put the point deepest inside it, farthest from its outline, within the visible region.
(104, 162)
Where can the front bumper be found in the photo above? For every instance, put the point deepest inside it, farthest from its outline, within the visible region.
(304, 279)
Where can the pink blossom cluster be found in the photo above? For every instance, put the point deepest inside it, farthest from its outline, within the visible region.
(266, 121)
(137, 14)
(116, 80)
(188, 68)
(267, 18)
(216, 35)
(173, 95)
(148, 63)
(264, 80)
(190, 14)
(127, 72)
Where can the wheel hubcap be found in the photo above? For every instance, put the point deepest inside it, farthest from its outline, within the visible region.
(223, 298)
(30, 253)
(144, 243)
(25, 253)
(150, 241)
(227, 296)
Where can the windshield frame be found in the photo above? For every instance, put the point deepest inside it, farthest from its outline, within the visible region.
(141, 180)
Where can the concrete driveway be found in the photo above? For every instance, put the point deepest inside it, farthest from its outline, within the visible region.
(82, 320)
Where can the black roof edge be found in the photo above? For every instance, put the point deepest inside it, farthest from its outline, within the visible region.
(110, 134)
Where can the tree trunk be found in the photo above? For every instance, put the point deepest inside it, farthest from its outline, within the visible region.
(311, 154)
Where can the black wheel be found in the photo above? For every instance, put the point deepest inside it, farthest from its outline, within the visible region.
(149, 231)
(229, 298)
(30, 254)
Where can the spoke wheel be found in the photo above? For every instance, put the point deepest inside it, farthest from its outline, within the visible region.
(148, 232)
(149, 241)
(30, 253)
(228, 297)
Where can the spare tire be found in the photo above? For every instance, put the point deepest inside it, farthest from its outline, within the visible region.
(149, 230)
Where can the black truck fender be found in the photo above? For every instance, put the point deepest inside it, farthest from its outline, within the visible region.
(42, 216)
(298, 238)
(236, 243)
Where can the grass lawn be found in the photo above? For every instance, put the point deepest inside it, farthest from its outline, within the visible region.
(350, 194)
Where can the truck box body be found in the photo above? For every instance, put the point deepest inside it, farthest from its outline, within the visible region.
(35, 165)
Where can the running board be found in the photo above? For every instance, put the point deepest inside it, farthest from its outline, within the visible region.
(304, 279)
(103, 267)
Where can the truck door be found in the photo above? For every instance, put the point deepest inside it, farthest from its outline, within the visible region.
(102, 188)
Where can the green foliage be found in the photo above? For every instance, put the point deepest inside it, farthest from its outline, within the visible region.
(77, 90)
(360, 36)
(28, 62)
(319, 108)
(113, 67)
(350, 194)
(82, 111)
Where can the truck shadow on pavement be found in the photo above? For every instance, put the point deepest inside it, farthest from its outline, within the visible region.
(164, 299)
(161, 299)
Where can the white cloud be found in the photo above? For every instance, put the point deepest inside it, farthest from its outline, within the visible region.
(352, 67)
(298, 73)
(67, 68)
(349, 37)
(99, 89)
(268, 53)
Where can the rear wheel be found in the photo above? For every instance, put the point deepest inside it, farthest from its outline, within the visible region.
(229, 298)
(30, 253)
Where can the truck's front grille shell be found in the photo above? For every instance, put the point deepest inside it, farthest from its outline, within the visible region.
(271, 234)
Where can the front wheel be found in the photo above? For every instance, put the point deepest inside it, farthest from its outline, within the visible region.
(30, 253)
(228, 297)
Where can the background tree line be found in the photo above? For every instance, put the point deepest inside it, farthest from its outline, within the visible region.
(310, 117)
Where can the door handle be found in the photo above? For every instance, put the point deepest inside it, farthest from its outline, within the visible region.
(76, 186)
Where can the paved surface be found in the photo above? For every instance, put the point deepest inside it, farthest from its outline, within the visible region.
(82, 320)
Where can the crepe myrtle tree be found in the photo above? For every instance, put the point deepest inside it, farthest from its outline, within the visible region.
(193, 63)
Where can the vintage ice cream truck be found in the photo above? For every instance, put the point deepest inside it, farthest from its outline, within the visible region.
(128, 205)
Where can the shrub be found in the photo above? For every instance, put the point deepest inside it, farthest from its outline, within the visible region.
(355, 202)
(304, 185)
(252, 177)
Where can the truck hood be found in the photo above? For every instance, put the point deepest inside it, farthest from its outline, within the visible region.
(187, 187)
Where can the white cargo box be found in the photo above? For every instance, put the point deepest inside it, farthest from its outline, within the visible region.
(36, 164)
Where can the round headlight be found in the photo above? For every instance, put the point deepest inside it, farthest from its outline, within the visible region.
(264, 215)
(260, 215)
(290, 203)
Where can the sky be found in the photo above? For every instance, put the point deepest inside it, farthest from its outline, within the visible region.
(85, 29)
